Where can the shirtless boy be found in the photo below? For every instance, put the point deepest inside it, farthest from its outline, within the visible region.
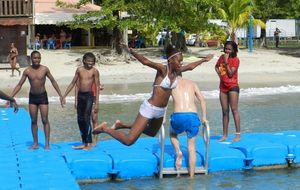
(94, 114)
(84, 78)
(185, 119)
(38, 98)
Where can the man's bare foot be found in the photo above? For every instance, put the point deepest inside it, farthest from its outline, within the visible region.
(222, 139)
(78, 147)
(100, 128)
(236, 138)
(117, 125)
(33, 147)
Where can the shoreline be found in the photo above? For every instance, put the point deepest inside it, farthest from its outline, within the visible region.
(261, 68)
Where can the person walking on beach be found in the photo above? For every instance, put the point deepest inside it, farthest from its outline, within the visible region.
(276, 36)
(11, 100)
(84, 78)
(227, 70)
(185, 119)
(12, 58)
(38, 98)
(94, 114)
(151, 113)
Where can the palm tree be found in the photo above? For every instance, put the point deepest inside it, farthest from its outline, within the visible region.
(237, 13)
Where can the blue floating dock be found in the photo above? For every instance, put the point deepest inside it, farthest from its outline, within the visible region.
(63, 167)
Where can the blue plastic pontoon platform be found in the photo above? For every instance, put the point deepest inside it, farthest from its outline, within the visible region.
(63, 166)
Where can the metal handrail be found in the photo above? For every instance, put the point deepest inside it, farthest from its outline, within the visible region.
(206, 138)
(162, 150)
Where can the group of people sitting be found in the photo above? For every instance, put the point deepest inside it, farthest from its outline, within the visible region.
(51, 42)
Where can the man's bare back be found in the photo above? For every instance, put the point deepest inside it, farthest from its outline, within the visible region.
(184, 96)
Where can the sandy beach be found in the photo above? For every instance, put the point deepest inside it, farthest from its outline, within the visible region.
(260, 68)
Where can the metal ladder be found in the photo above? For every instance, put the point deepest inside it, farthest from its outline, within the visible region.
(202, 169)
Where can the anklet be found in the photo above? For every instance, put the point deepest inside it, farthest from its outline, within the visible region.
(238, 133)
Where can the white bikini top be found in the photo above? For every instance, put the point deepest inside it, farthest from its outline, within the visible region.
(166, 82)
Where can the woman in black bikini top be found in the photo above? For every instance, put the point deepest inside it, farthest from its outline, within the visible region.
(13, 53)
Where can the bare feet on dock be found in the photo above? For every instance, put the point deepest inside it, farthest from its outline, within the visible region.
(236, 138)
(78, 147)
(33, 147)
(222, 139)
(47, 147)
(117, 125)
(87, 146)
(100, 128)
(94, 143)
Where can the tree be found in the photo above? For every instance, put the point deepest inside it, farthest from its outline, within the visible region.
(237, 14)
(277, 9)
(147, 16)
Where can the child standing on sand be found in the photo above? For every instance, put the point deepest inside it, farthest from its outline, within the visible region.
(227, 69)
(38, 98)
(84, 78)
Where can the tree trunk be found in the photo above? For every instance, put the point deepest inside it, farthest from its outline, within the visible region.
(263, 38)
(117, 37)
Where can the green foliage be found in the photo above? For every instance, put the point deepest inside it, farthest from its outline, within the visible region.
(147, 17)
(237, 14)
(277, 9)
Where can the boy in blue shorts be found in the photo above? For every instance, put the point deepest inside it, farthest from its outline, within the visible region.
(185, 119)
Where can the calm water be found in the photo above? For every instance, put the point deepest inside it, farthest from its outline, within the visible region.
(261, 109)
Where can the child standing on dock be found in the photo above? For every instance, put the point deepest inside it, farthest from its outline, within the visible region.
(185, 119)
(94, 114)
(227, 70)
(38, 98)
(85, 77)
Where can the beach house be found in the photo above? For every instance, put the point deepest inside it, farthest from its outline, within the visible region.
(15, 16)
(48, 19)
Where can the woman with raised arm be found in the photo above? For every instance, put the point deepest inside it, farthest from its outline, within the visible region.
(151, 113)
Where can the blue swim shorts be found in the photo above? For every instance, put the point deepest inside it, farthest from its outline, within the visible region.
(185, 121)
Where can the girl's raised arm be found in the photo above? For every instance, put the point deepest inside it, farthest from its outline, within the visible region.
(158, 66)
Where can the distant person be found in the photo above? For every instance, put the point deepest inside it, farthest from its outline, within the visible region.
(51, 42)
(185, 119)
(12, 58)
(38, 98)
(11, 100)
(68, 41)
(276, 36)
(85, 77)
(227, 70)
(44, 41)
(62, 38)
(152, 110)
(37, 41)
